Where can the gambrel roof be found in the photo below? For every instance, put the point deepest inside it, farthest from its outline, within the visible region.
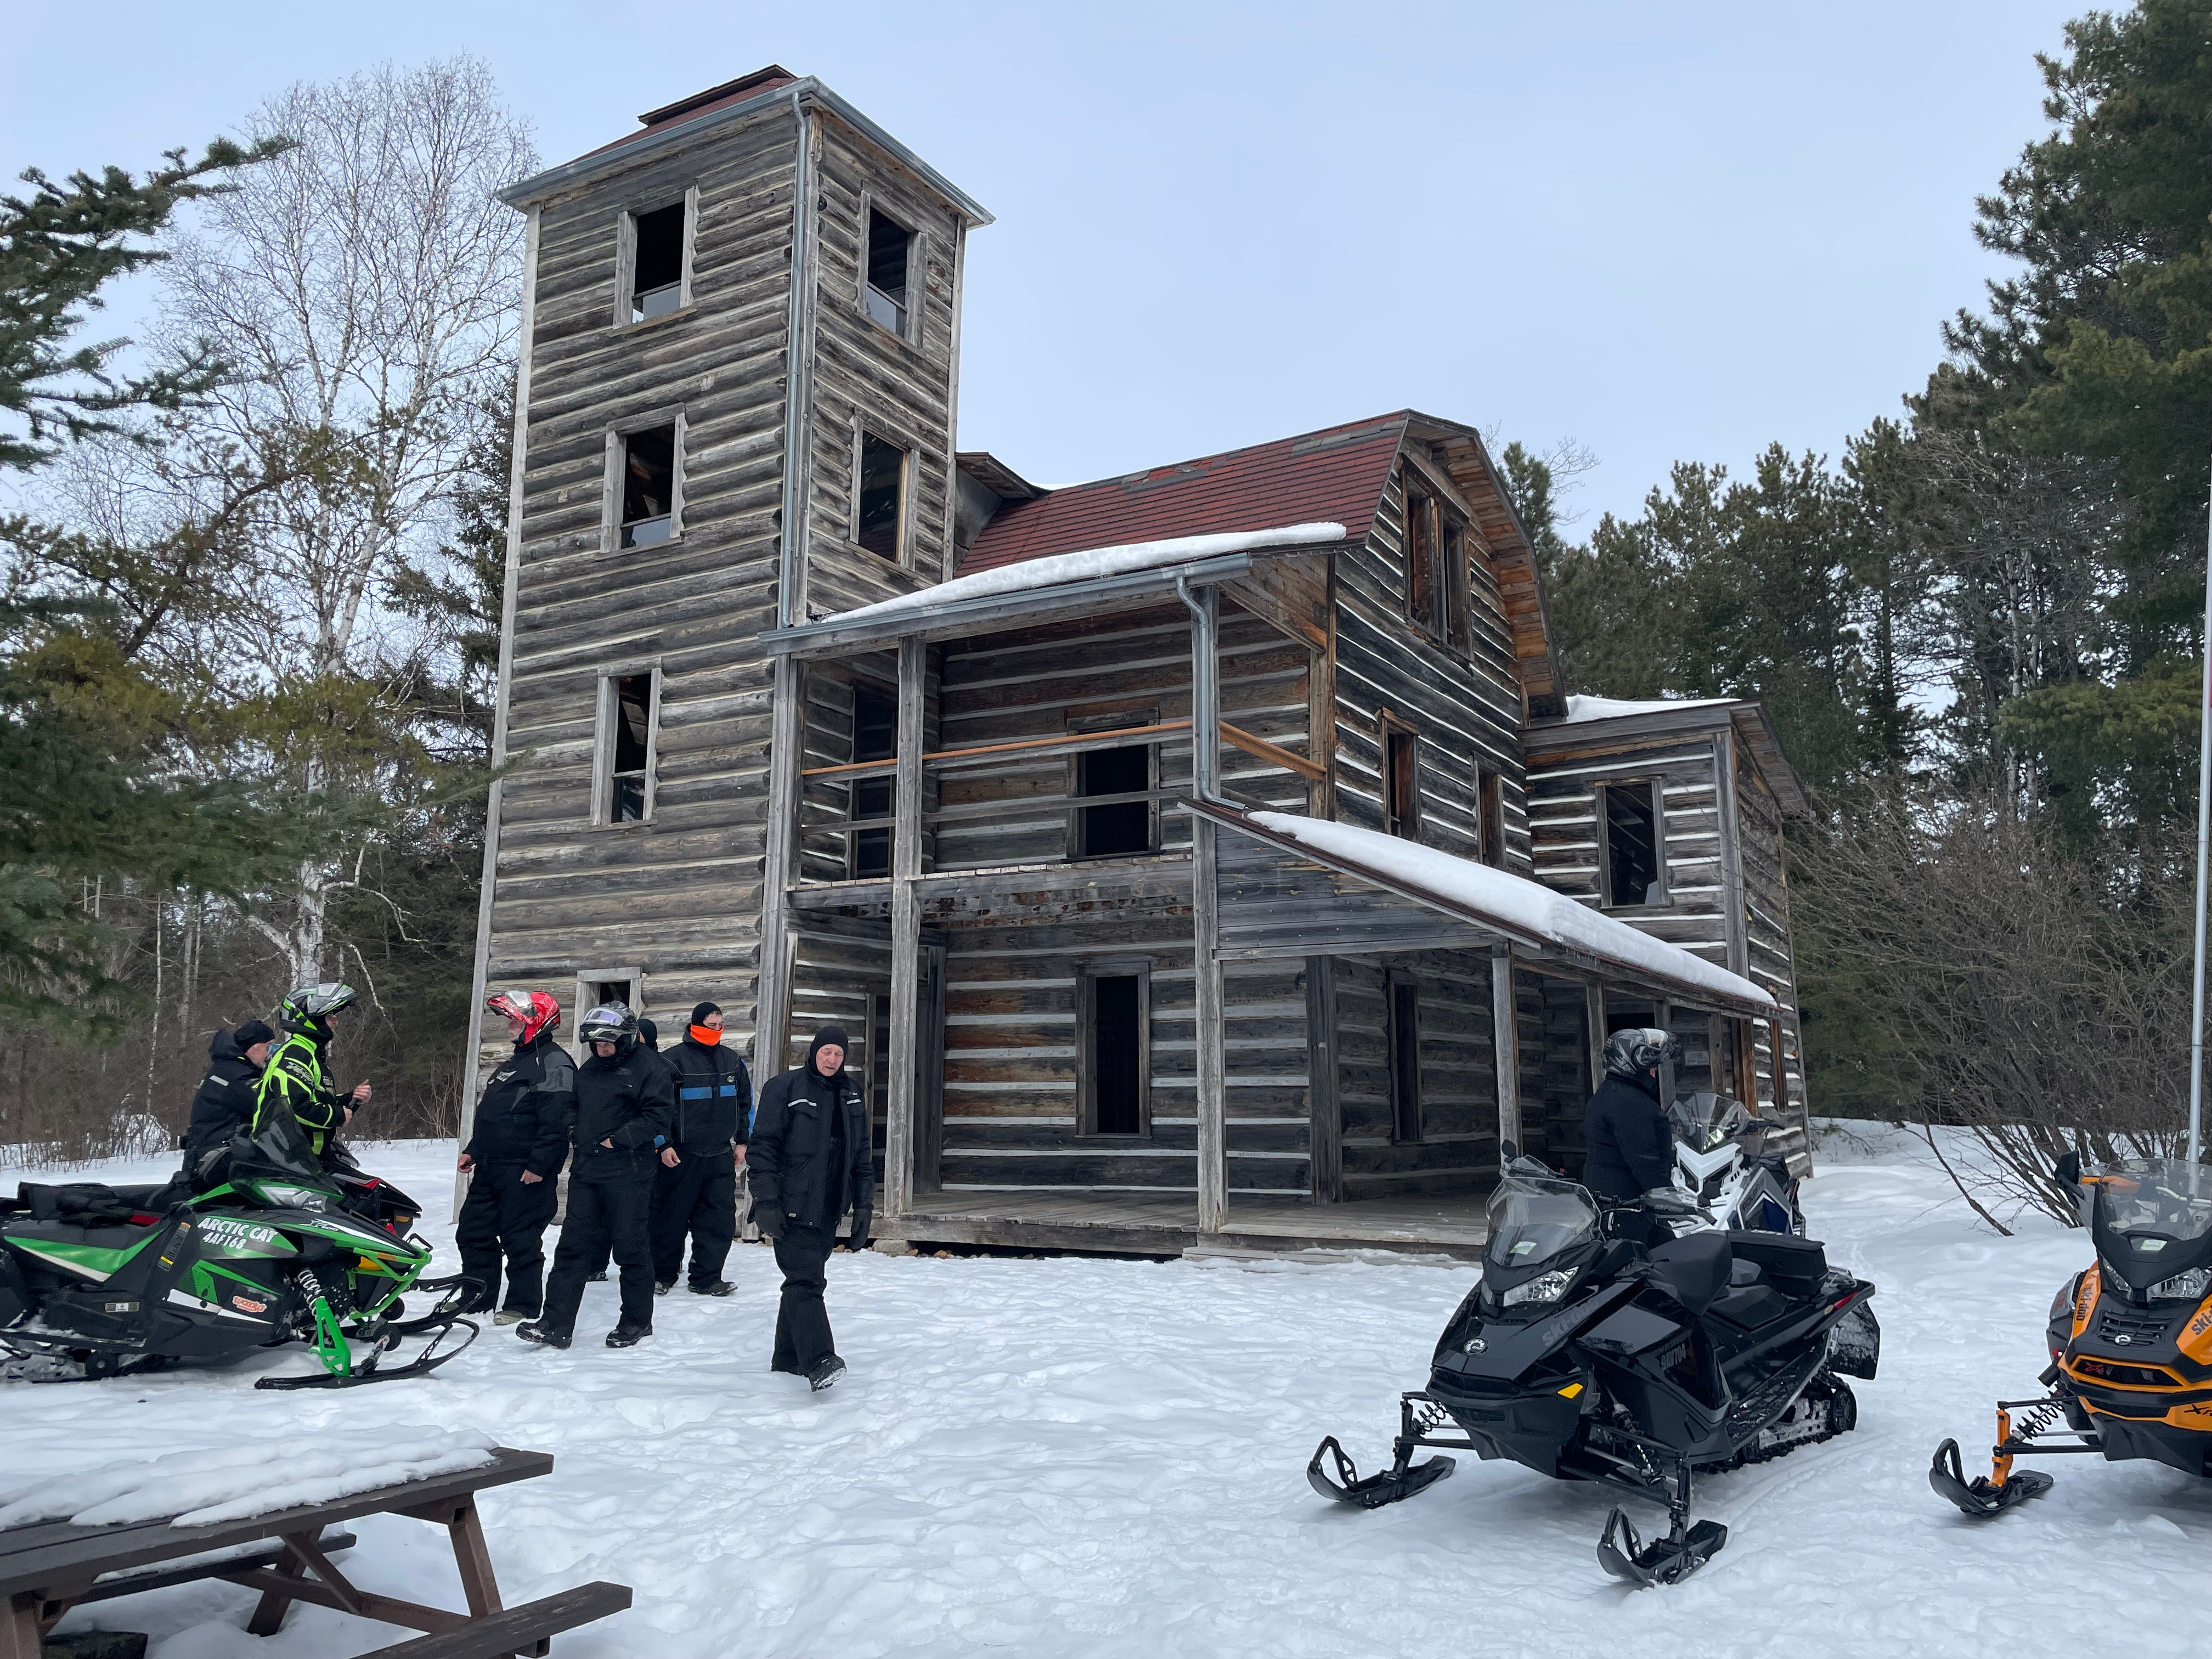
(1339, 473)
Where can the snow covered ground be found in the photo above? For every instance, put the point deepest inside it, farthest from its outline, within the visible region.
(1092, 1457)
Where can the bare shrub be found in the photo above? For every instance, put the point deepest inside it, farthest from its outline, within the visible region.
(2035, 993)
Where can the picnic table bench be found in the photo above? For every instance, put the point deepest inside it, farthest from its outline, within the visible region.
(47, 1568)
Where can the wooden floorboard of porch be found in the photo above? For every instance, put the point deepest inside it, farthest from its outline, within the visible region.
(1127, 1224)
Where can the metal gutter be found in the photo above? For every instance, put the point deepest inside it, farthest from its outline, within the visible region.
(599, 161)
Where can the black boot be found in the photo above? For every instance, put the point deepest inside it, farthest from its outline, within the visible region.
(662, 1287)
(536, 1332)
(626, 1335)
(720, 1287)
(825, 1373)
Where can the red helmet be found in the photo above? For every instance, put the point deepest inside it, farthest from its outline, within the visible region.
(537, 1010)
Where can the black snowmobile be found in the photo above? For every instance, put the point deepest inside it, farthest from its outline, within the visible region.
(105, 1281)
(1588, 1357)
(2130, 1338)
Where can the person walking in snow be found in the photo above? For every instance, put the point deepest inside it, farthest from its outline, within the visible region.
(625, 1106)
(518, 1141)
(696, 1191)
(810, 1159)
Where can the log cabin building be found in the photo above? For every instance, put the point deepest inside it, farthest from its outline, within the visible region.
(1206, 855)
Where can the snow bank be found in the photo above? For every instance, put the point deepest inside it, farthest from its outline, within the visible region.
(1526, 905)
(253, 1477)
(1606, 708)
(1090, 563)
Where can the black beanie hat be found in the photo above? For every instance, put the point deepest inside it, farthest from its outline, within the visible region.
(700, 1014)
(822, 1039)
(252, 1032)
(648, 1033)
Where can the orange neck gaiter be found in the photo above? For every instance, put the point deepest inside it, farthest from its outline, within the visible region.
(706, 1036)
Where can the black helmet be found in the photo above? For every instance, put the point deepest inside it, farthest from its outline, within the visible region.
(610, 1022)
(309, 1005)
(1637, 1050)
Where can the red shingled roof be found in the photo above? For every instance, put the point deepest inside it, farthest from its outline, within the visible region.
(1339, 473)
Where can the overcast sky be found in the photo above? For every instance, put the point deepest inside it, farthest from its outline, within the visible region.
(1667, 231)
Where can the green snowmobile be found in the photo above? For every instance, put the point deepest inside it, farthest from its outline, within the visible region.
(107, 1281)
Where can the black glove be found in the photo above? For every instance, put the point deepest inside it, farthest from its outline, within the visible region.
(771, 1222)
(862, 1220)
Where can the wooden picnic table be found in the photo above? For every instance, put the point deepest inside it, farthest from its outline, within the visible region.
(48, 1568)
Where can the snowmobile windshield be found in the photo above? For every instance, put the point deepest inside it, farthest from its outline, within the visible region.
(1705, 1119)
(281, 1148)
(2153, 1203)
(1532, 1220)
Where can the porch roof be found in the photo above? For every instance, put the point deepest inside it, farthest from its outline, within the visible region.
(1507, 906)
(1084, 582)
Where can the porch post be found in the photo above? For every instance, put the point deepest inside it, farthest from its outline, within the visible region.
(1506, 1026)
(1205, 922)
(906, 933)
(1594, 1018)
(772, 996)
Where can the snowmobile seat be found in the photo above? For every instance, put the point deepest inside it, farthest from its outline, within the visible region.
(1750, 1305)
(1694, 1270)
(153, 1195)
(79, 1203)
(1791, 1265)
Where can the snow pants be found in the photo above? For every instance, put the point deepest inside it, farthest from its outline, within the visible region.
(503, 1216)
(802, 1323)
(605, 1217)
(699, 1197)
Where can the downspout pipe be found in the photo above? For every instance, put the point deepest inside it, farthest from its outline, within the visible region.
(1205, 697)
(797, 392)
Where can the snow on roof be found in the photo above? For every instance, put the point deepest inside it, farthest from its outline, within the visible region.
(1089, 563)
(1606, 708)
(1526, 905)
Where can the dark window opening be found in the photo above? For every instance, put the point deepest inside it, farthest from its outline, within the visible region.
(875, 737)
(657, 271)
(1631, 845)
(1458, 629)
(879, 1075)
(648, 506)
(632, 740)
(1401, 786)
(883, 496)
(605, 991)
(1117, 1055)
(1420, 560)
(889, 243)
(1490, 810)
(1405, 1061)
(1125, 826)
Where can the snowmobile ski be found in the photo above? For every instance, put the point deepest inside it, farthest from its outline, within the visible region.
(456, 1294)
(1665, 1560)
(1983, 1497)
(1345, 1484)
(368, 1371)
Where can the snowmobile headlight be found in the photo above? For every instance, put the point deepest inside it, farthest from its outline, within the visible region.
(2183, 1288)
(295, 1197)
(1544, 1288)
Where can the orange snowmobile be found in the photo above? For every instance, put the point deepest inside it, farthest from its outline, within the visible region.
(2131, 1340)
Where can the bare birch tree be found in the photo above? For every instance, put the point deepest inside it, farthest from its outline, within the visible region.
(364, 287)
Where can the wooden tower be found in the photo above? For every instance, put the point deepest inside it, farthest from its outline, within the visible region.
(735, 409)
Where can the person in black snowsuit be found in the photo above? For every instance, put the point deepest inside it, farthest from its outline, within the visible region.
(517, 1144)
(224, 1104)
(1629, 1144)
(810, 1159)
(698, 1194)
(625, 1107)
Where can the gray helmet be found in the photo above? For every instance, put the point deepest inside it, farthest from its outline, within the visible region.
(610, 1022)
(1637, 1050)
(308, 1007)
